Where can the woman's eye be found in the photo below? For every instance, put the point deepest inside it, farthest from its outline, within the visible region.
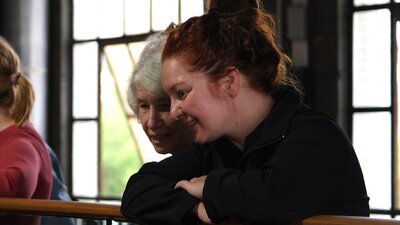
(143, 106)
(181, 94)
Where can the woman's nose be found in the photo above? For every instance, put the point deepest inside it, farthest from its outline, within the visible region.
(176, 110)
(154, 120)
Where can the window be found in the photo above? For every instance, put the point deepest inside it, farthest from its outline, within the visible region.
(375, 101)
(108, 144)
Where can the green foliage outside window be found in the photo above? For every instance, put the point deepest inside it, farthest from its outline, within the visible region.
(119, 155)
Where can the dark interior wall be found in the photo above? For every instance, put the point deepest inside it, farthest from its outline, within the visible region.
(59, 83)
(323, 45)
(330, 56)
(317, 34)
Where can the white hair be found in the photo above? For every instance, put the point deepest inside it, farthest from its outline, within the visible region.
(147, 71)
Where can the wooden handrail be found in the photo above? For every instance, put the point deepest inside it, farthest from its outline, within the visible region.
(95, 210)
(345, 220)
(74, 209)
(335, 220)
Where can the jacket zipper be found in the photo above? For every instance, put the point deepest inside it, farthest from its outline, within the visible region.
(258, 146)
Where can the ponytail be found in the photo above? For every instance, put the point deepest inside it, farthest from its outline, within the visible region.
(23, 101)
(16, 91)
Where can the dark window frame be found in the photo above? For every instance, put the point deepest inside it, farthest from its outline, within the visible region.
(394, 9)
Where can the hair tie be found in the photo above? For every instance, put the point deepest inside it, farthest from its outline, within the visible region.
(171, 26)
(14, 77)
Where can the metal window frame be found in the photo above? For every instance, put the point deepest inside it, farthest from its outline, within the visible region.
(102, 43)
(394, 9)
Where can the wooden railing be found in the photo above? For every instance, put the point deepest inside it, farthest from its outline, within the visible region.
(345, 220)
(111, 212)
(72, 209)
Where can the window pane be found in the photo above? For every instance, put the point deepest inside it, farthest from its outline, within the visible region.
(85, 19)
(84, 159)
(135, 49)
(117, 142)
(120, 64)
(372, 142)
(85, 80)
(369, 2)
(191, 8)
(397, 192)
(111, 18)
(371, 59)
(380, 216)
(164, 12)
(137, 16)
(397, 204)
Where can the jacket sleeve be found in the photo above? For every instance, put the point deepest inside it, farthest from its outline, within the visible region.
(308, 167)
(150, 198)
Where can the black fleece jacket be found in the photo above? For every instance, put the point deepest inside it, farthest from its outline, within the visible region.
(298, 162)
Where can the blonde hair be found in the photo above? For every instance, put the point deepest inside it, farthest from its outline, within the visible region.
(16, 90)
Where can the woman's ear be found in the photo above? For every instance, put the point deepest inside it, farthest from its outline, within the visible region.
(230, 83)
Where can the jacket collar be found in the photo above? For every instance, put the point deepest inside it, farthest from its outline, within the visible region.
(275, 126)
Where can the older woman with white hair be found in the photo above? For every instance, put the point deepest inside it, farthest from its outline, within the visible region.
(151, 104)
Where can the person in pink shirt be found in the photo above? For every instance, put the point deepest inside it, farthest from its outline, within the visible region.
(25, 166)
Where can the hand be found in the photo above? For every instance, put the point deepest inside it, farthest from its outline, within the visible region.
(194, 187)
(201, 212)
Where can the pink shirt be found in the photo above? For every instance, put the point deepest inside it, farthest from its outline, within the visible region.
(25, 166)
